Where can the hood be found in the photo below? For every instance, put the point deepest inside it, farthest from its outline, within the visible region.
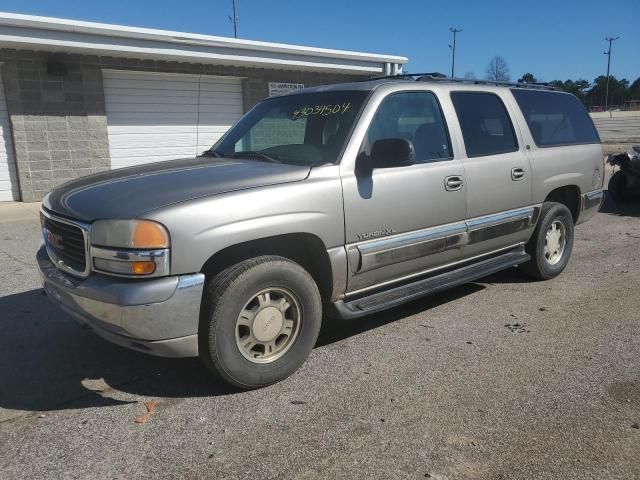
(132, 192)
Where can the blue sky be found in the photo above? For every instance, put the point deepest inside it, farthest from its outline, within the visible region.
(552, 39)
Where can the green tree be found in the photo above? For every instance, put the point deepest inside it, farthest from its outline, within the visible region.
(618, 91)
(593, 94)
(528, 78)
(577, 87)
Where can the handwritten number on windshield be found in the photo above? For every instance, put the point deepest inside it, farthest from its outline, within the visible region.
(322, 110)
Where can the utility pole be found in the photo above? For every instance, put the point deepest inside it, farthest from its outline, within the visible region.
(453, 56)
(234, 20)
(608, 54)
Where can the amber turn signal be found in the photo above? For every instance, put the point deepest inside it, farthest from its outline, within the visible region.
(143, 268)
(148, 234)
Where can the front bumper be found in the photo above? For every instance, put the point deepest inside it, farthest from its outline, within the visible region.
(591, 203)
(158, 316)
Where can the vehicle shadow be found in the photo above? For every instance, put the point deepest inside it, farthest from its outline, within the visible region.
(611, 207)
(49, 362)
(334, 330)
(510, 275)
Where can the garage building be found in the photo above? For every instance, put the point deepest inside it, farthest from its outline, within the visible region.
(82, 97)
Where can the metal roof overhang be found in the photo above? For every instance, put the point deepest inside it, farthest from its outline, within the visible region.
(89, 38)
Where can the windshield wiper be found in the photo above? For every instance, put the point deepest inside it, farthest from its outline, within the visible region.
(254, 155)
(212, 153)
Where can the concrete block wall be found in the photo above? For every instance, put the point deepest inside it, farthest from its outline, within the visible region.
(59, 122)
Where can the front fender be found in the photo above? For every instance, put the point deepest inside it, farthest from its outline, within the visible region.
(201, 228)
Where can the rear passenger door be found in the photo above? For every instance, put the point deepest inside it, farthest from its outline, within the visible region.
(498, 174)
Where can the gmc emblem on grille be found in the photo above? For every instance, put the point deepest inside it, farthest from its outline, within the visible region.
(52, 239)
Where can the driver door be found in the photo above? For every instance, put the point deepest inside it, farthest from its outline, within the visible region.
(402, 221)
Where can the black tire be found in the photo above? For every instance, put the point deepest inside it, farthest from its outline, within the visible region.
(539, 267)
(618, 187)
(226, 296)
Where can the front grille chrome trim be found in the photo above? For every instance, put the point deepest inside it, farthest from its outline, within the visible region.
(57, 261)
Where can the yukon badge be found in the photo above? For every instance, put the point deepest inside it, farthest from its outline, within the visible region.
(376, 234)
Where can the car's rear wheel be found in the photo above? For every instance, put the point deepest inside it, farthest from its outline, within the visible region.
(551, 245)
(260, 321)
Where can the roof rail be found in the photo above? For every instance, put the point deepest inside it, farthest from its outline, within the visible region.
(439, 77)
(405, 76)
(473, 81)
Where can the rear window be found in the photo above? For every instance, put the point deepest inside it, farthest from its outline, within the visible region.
(555, 118)
(485, 123)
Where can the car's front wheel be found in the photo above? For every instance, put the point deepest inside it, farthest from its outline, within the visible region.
(260, 321)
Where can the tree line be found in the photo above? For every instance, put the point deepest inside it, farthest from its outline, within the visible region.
(592, 94)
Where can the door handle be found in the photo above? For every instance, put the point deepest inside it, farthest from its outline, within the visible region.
(517, 173)
(453, 183)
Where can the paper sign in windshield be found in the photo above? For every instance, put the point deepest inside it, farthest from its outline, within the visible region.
(321, 110)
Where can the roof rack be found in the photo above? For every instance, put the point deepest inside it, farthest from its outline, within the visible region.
(439, 77)
(405, 76)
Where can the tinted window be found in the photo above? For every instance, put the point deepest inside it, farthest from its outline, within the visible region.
(485, 123)
(555, 118)
(415, 116)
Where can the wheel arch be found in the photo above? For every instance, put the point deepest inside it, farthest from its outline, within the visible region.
(306, 249)
(568, 195)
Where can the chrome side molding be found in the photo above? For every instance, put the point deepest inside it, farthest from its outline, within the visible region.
(377, 253)
(501, 224)
(401, 248)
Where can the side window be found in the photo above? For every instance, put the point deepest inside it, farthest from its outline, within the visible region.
(485, 123)
(415, 116)
(555, 118)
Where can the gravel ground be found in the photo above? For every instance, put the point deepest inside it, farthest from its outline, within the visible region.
(500, 379)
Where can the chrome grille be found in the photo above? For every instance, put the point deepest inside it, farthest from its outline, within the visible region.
(66, 245)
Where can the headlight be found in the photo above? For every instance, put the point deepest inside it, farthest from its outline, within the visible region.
(130, 248)
(129, 234)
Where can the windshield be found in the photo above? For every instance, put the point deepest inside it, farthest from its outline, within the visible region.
(302, 129)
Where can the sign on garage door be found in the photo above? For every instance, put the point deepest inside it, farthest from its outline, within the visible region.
(280, 88)
(160, 116)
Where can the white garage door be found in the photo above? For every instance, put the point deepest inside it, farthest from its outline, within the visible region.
(161, 116)
(8, 177)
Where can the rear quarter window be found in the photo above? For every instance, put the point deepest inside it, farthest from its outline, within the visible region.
(555, 118)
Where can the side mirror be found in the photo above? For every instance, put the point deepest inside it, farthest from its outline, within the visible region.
(392, 152)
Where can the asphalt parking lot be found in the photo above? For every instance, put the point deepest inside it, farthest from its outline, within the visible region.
(500, 379)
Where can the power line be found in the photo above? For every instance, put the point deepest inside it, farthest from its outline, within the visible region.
(608, 54)
(453, 56)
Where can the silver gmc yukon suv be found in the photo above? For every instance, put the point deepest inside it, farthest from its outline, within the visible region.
(340, 201)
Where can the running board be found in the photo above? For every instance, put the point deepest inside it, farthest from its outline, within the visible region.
(382, 300)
